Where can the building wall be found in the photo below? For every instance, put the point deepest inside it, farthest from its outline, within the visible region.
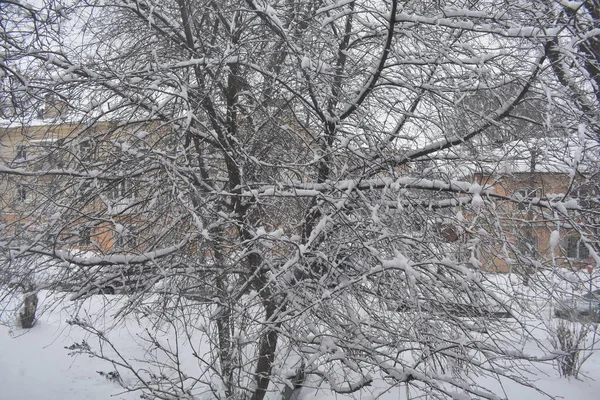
(26, 198)
(528, 230)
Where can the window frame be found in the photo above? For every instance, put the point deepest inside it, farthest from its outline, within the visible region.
(21, 194)
(527, 245)
(84, 236)
(86, 149)
(127, 239)
(21, 152)
(576, 249)
(123, 189)
(526, 196)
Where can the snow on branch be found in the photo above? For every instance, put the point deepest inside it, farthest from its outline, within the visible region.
(309, 189)
(91, 174)
(337, 4)
(350, 387)
(515, 32)
(375, 73)
(113, 259)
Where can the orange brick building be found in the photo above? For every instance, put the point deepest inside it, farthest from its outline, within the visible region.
(39, 156)
(538, 237)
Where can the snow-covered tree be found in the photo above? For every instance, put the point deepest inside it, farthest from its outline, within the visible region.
(286, 185)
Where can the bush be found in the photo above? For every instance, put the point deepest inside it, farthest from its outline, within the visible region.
(569, 340)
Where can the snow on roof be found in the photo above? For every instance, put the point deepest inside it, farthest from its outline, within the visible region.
(549, 155)
(562, 155)
(36, 122)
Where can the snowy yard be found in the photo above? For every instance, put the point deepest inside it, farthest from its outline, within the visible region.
(36, 365)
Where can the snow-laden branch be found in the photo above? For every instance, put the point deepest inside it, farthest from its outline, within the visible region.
(348, 388)
(111, 82)
(369, 84)
(74, 173)
(271, 19)
(309, 189)
(111, 259)
(503, 112)
(533, 32)
(475, 191)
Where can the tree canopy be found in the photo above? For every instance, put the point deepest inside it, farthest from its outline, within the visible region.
(300, 184)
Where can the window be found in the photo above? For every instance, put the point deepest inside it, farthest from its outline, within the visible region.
(49, 238)
(587, 196)
(85, 236)
(462, 254)
(127, 239)
(56, 154)
(47, 151)
(576, 249)
(85, 187)
(525, 196)
(86, 150)
(53, 159)
(21, 152)
(122, 189)
(169, 239)
(527, 245)
(21, 194)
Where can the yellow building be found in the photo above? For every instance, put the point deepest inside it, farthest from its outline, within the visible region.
(46, 160)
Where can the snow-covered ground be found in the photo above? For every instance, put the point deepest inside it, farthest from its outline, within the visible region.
(34, 364)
